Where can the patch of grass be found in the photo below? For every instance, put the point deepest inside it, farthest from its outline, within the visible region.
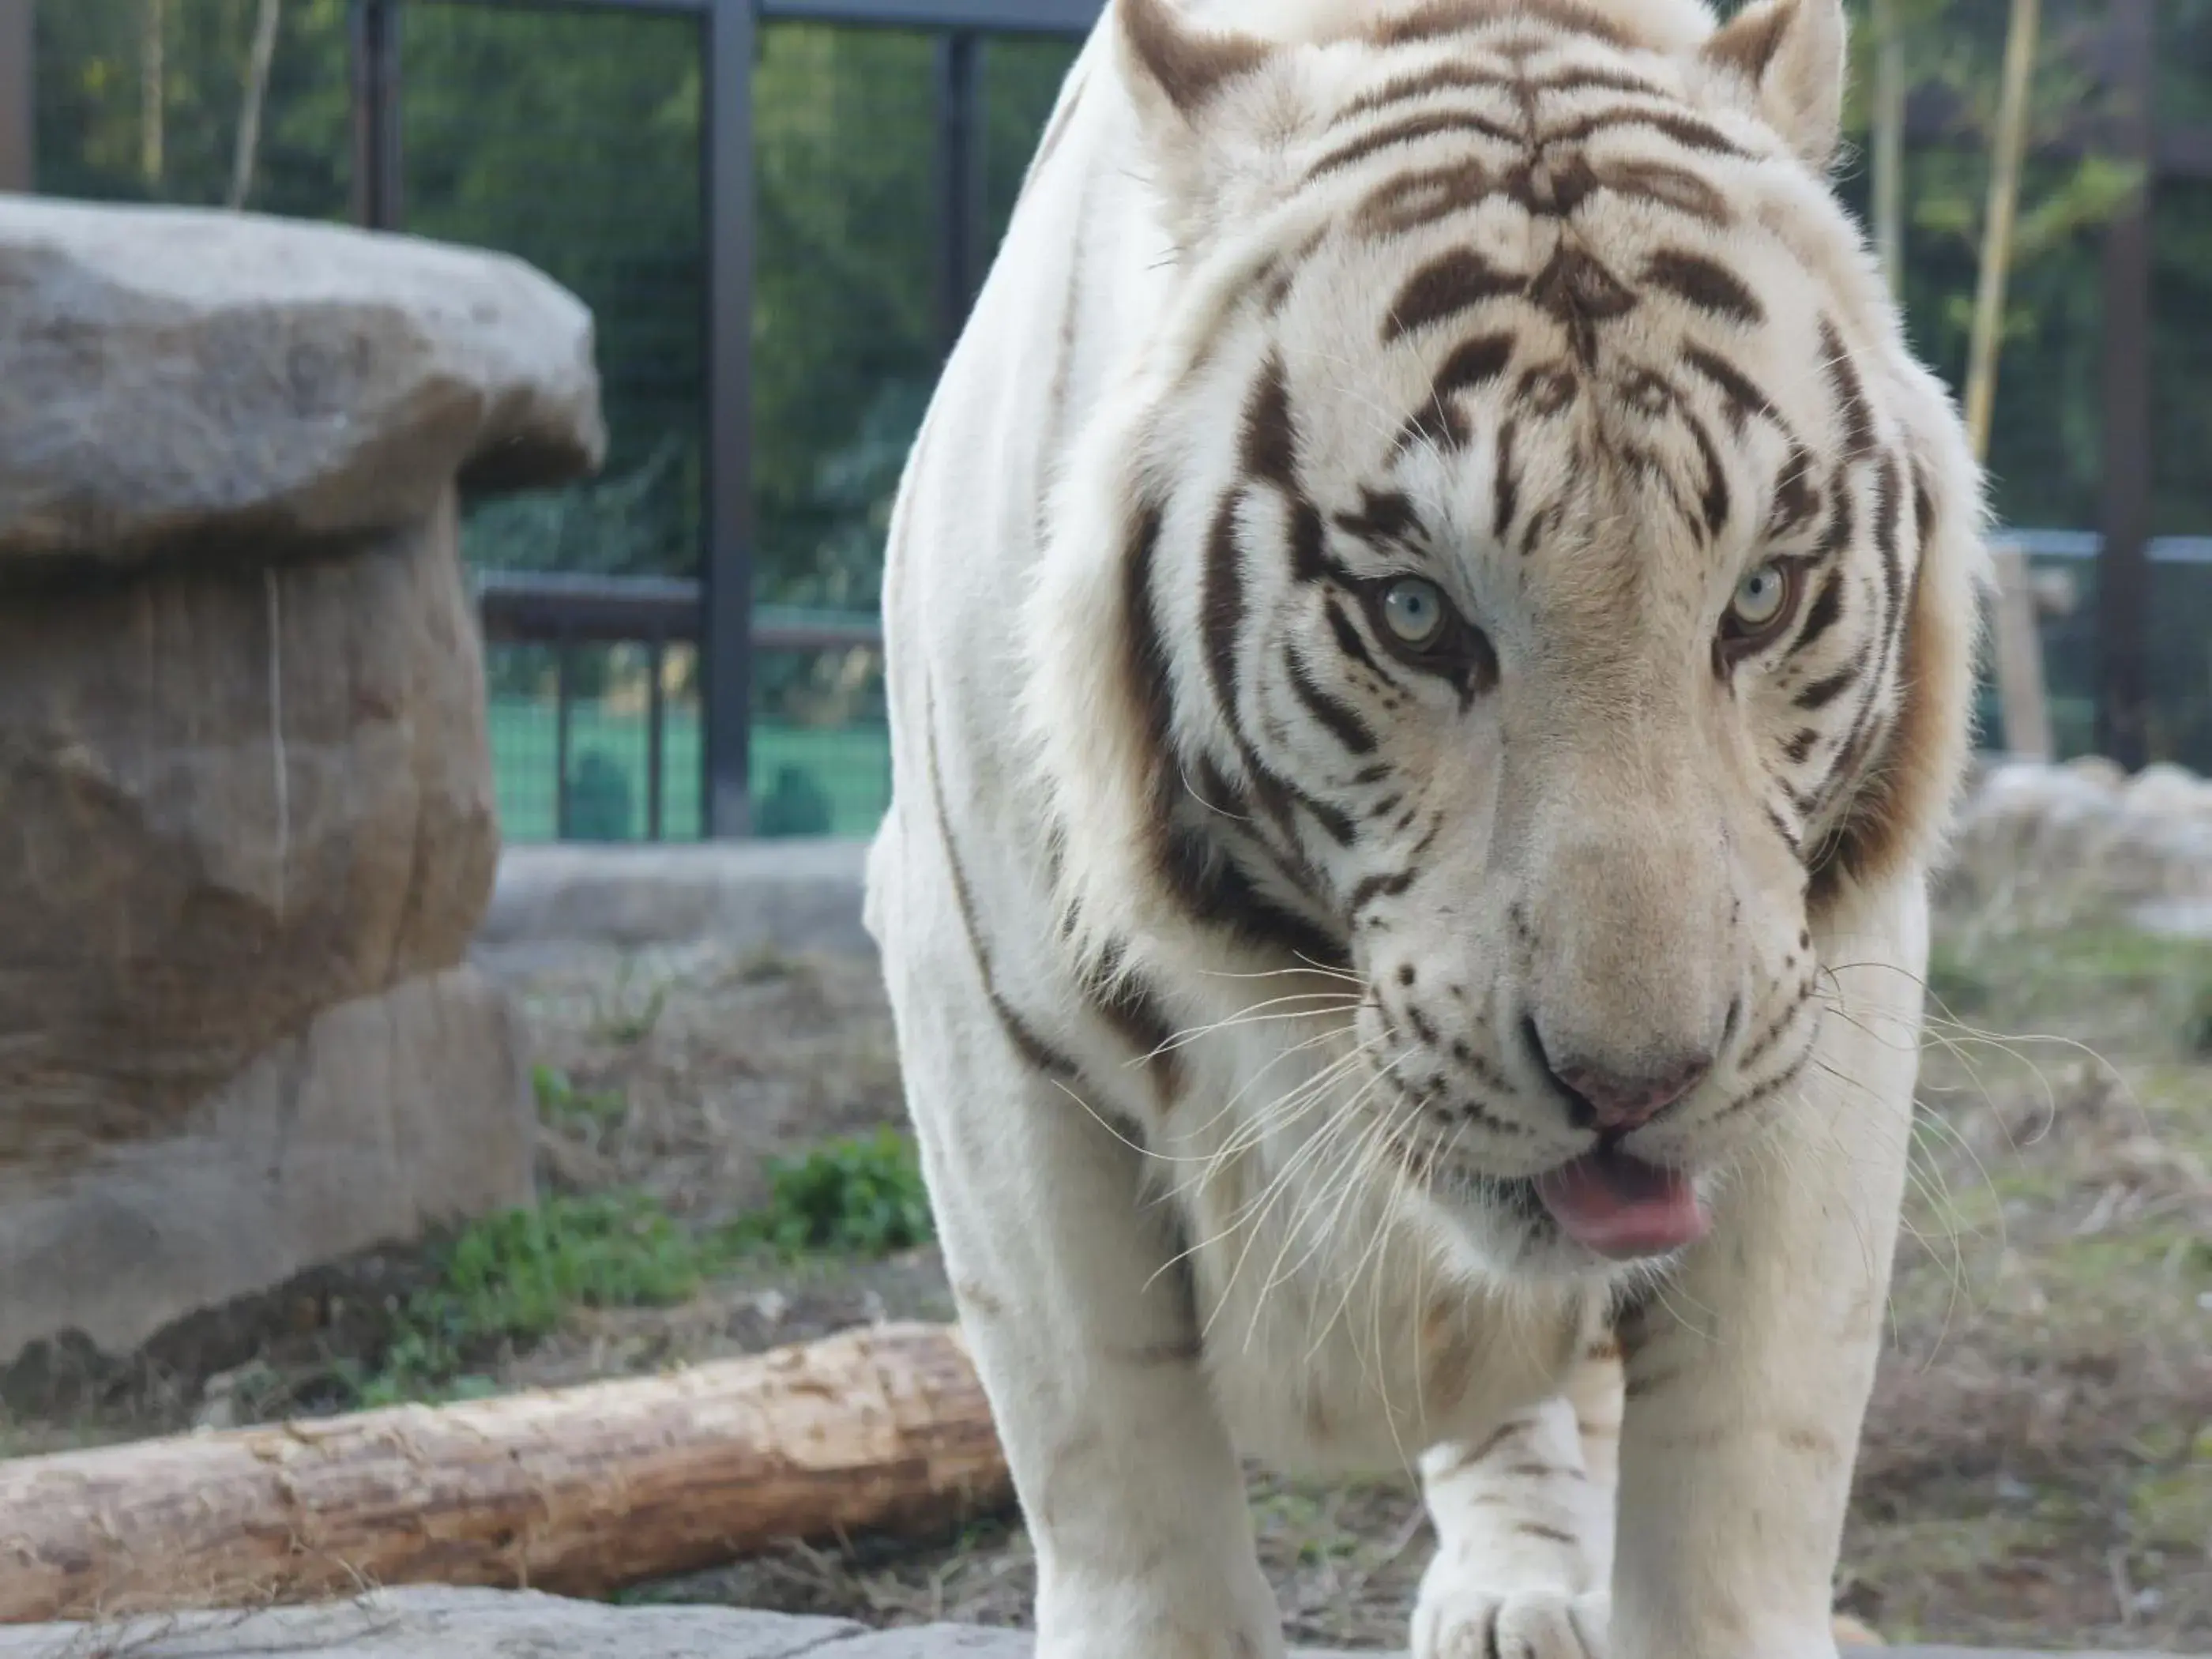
(512, 1278)
(863, 1196)
(561, 1102)
(2115, 988)
(2197, 1025)
(626, 1019)
(2173, 1509)
(1957, 985)
(764, 963)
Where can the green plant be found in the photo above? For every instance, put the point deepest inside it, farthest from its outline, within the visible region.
(561, 1102)
(626, 1020)
(2197, 1032)
(1956, 985)
(513, 1276)
(798, 806)
(862, 1196)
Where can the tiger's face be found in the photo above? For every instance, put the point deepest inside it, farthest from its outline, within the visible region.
(1547, 591)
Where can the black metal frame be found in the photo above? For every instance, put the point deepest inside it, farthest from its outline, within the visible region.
(18, 122)
(730, 31)
(566, 611)
(2123, 705)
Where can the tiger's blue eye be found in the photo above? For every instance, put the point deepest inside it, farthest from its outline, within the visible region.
(1760, 596)
(1413, 609)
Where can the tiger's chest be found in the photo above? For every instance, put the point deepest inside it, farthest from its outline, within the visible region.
(1340, 1322)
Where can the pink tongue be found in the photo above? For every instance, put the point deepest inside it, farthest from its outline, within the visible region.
(1618, 1206)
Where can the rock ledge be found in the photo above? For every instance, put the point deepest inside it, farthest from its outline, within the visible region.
(181, 382)
(478, 1624)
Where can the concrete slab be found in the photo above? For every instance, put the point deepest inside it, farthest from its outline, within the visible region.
(551, 903)
(438, 1622)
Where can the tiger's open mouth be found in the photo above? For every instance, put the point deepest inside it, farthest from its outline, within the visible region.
(1611, 1204)
(1610, 1201)
(1621, 1207)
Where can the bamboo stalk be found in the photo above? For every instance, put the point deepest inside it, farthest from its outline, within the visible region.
(153, 89)
(252, 103)
(2019, 649)
(1888, 124)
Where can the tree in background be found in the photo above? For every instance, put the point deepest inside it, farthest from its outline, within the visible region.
(2044, 436)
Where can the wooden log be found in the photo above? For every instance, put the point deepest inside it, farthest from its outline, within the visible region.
(577, 1491)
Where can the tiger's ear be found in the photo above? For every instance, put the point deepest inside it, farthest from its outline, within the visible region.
(1173, 71)
(1793, 56)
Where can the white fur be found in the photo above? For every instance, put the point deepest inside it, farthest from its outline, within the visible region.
(1155, 1286)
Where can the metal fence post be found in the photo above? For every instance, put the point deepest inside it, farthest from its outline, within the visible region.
(961, 153)
(372, 37)
(725, 655)
(19, 122)
(656, 717)
(564, 700)
(2124, 565)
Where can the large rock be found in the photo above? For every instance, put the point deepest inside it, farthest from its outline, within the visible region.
(184, 383)
(246, 817)
(228, 798)
(386, 1116)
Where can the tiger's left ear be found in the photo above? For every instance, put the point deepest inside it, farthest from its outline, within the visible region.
(1793, 54)
(1174, 70)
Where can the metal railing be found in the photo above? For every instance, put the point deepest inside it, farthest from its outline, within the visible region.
(567, 614)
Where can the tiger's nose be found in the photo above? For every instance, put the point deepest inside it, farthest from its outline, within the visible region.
(1614, 1100)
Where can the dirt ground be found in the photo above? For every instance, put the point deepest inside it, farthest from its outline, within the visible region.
(2037, 1463)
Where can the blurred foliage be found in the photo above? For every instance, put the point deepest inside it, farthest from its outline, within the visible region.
(2045, 436)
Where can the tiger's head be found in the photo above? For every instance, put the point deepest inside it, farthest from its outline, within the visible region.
(1527, 572)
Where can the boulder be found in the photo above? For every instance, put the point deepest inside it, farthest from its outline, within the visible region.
(2081, 842)
(230, 798)
(247, 818)
(386, 1116)
(187, 383)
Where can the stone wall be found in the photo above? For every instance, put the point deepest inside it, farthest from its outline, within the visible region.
(246, 819)
(2084, 843)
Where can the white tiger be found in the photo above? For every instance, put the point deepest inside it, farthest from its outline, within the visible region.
(1430, 630)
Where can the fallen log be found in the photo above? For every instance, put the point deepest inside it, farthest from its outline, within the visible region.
(576, 1490)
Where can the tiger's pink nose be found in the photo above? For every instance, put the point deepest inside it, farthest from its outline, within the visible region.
(1610, 1099)
(1618, 1104)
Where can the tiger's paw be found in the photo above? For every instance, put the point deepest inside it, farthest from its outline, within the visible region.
(1454, 1622)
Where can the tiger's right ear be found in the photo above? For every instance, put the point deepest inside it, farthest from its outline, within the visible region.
(1173, 71)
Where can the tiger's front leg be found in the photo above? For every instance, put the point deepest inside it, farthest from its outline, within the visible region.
(1081, 1330)
(1523, 1518)
(1747, 1381)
